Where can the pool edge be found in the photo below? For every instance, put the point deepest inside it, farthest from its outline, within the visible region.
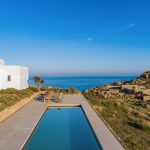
(33, 128)
(105, 137)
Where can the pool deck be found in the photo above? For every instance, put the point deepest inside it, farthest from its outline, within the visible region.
(15, 130)
(104, 135)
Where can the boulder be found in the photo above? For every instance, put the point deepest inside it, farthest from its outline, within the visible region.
(146, 98)
(146, 92)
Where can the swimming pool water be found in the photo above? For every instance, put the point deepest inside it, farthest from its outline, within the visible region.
(63, 129)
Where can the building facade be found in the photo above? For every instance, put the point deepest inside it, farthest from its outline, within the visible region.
(13, 76)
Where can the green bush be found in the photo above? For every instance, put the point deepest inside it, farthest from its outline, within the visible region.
(54, 89)
(10, 96)
(33, 89)
(58, 90)
(8, 91)
(73, 91)
(24, 93)
(7, 100)
(43, 88)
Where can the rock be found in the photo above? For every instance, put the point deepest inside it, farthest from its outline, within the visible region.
(139, 95)
(143, 79)
(146, 98)
(86, 91)
(146, 92)
(138, 88)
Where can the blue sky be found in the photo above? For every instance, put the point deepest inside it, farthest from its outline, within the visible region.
(76, 37)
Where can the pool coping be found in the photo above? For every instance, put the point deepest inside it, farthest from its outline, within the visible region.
(69, 105)
(106, 138)
(102, 144)
(63, 106)
(16, 129)
(11, 137)
(33, 129)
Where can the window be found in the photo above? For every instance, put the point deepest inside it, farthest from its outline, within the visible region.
(9, 78)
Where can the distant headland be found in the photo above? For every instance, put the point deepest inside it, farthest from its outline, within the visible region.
(134, 89)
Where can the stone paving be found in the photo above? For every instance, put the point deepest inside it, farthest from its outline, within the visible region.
(15, 130)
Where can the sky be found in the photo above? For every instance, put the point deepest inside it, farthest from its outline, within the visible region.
(76, 37)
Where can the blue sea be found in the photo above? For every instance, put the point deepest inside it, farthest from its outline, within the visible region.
(81, 83)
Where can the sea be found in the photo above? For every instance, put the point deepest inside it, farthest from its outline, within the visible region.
(80, 83)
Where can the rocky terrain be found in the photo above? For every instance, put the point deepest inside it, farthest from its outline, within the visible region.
(135, 89)
(144, 79)
(125, 108)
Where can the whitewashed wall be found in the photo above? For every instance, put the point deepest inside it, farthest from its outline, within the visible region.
(24, 77)
(19, 77)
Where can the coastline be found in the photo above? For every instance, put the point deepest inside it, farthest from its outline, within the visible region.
(81, 83)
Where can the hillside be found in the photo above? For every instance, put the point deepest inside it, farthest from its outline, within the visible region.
(144, 79)
(125, 109)
(135, 89)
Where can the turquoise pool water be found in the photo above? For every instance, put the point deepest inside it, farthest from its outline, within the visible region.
(63, 129)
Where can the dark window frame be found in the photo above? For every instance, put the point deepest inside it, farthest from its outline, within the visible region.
(9, 78)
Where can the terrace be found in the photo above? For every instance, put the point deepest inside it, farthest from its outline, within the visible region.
(16, 130)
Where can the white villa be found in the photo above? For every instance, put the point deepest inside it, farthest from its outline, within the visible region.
(13, 76)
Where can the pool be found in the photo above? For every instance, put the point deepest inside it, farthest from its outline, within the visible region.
(63, 129)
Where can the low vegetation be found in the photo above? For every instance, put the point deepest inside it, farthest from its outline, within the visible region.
(64, 91)
(9, 97)
(129, 119)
